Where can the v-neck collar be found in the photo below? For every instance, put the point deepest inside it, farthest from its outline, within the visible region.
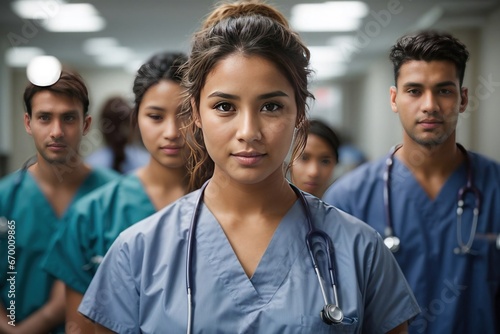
(403, 178)
(274, 266)
(82, 189)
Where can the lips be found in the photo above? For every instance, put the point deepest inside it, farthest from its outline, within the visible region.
(56, 146)
(248, 154)
(248, 158)
(430, 123)
(311, 184)
(171, 149)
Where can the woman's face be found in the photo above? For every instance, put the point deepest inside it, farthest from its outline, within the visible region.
(313, 170)
(248, 115)
(159, 124)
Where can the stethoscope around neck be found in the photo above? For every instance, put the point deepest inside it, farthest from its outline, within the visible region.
(393, 242)
(331, 312)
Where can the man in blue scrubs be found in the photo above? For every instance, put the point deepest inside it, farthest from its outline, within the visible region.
(451, 260)
(34, 200)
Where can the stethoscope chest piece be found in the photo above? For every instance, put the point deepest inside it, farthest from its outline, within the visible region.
(331, 314)
(392, 242)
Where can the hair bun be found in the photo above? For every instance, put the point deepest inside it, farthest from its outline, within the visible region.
(243, 8)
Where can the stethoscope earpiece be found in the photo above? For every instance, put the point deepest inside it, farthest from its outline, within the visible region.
(331, 314)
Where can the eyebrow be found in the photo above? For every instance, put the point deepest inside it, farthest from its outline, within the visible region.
(155, 108)
(441, 84)
(277, 93)
(66, 113)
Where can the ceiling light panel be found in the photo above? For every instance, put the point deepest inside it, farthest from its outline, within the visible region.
(329, 16)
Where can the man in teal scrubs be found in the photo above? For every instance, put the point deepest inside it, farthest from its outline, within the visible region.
(34, 200)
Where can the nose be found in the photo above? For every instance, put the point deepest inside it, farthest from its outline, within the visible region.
(171, 128)
(312, 169)
(249, 126)
(56, 130)
(430, 103)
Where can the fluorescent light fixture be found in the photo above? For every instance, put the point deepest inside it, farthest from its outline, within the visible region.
(36, 9)
(115, 57)
(99, 45)
(21, 56)
(58, 16)
(325, 54)
(328, 16)
(77, 17)
(328, 71)
(327, 62)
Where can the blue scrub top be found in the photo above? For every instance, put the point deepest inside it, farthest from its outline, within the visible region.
(135, 157)
(36, 223)
(458, 293)
(92, 226)
(140, 286)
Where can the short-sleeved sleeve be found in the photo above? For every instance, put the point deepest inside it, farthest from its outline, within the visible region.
(388, 295)
(67, 258)
(112, 298)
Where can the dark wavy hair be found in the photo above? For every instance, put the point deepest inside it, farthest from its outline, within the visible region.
(429, 45)
(161, 66)
(253, 29)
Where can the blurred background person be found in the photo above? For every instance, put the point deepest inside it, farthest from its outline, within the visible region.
(313, 171)
(35, 200)
(100, 217)
(120, 152)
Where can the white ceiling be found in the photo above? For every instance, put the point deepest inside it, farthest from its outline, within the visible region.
(149, 26)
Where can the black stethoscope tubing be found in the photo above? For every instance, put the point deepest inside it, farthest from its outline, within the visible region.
(331, 312)
(393, 242)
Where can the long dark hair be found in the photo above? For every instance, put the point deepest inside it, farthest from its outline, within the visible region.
(115, 128)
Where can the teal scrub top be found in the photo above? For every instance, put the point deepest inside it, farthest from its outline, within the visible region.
(92, 226)
(27, 224)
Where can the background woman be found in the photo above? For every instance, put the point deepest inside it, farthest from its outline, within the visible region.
(100, 217)
(119, 152)
(313, 171)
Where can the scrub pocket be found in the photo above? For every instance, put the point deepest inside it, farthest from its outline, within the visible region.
(314, 324)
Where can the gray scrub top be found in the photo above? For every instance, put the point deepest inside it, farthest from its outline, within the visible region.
(140, 286)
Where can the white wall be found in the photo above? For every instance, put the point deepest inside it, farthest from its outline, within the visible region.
(487, 95)
(379, 127)
(5, 133)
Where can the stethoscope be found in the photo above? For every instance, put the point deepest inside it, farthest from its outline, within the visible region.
(331, 312)
(393, 242)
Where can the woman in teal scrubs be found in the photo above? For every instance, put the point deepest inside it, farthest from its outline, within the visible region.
(100, 217)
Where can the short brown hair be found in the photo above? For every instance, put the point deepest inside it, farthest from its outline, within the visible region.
(69, 84)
